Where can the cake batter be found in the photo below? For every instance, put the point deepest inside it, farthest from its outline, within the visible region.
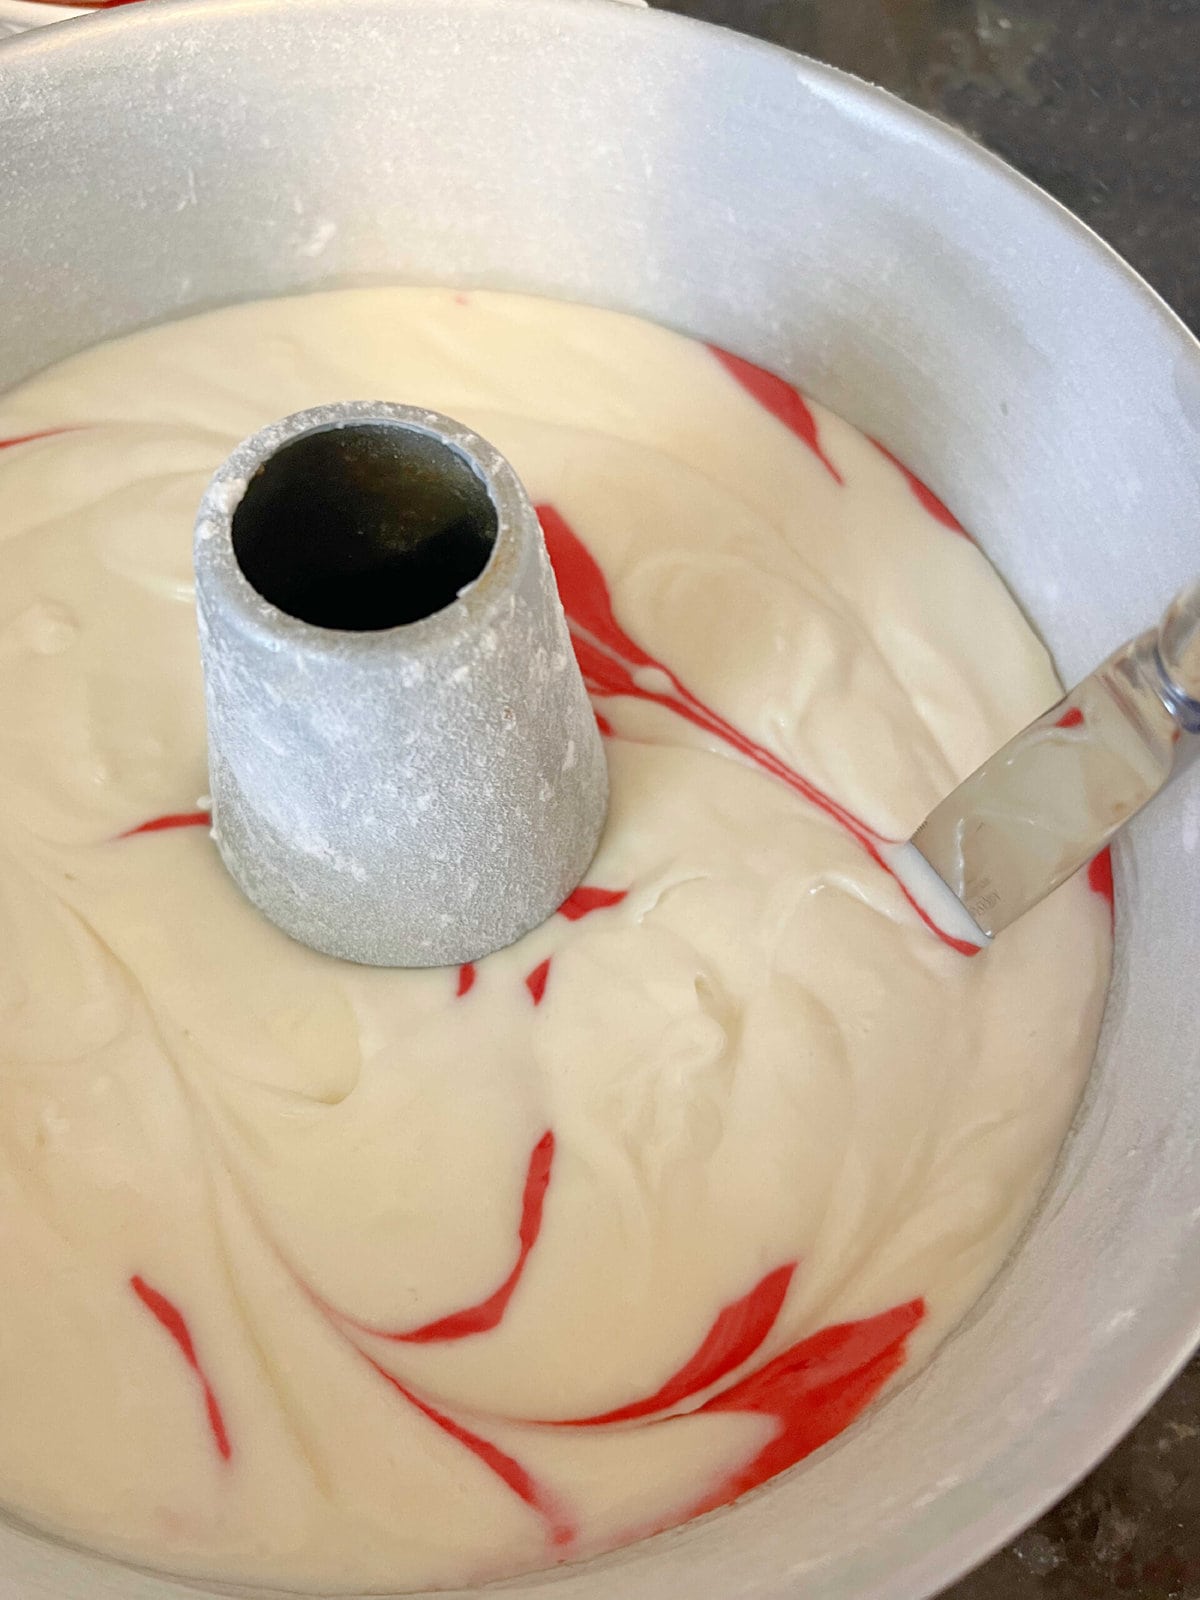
(327, 1277)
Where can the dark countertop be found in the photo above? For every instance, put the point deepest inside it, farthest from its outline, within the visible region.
(1099, 102)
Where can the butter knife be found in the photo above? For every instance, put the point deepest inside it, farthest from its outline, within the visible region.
(1053, 797)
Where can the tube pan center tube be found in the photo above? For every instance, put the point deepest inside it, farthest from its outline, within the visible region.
(404, 765)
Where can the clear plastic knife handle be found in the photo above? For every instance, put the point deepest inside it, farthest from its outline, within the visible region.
(1178, 661)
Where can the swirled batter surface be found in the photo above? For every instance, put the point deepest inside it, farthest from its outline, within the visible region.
(322, 1276)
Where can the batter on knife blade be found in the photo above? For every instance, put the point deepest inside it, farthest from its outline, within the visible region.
(327, 1277)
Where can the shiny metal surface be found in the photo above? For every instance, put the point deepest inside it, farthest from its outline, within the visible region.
(18, 15)
(227, 148)
(1040, 808)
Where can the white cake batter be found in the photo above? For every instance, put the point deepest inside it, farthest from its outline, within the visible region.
(737, 1138)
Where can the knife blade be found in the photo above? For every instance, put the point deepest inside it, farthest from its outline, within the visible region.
(1057, 793)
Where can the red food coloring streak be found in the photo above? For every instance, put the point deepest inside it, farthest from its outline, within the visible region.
(536, 981)
(30, 438)
(480, 1319)
(936, 508)
(607, 658)
(585, 900)
(735, 1335)
(486, 1315)
(176, 819)
(560, 1528)
(522, 1483)
(814, 1391)
(784, 403)
(1100, 877)
(605, 726)
(173, 1321)
(466, 979)
(1072, 718)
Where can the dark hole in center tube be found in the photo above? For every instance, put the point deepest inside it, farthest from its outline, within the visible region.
(364, 527)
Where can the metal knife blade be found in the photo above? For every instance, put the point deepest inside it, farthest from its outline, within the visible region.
(1045, 804)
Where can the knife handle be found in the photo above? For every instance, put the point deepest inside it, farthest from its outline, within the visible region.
(1178, 659)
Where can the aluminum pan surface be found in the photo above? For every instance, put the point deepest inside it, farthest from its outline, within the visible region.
(225, 148)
